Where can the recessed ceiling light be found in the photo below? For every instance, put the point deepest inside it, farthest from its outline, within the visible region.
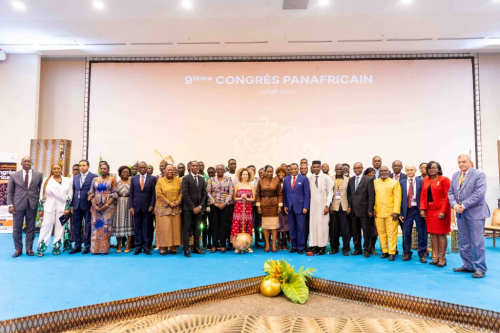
(187, 3)
(98, 4)
(18, 5)
(323, 2)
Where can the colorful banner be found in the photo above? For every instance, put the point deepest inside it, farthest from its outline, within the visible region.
(8, 165)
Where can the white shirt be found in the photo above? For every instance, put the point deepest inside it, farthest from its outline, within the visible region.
(83, 177)
(232, 176)
(414, 198)
(291, 179)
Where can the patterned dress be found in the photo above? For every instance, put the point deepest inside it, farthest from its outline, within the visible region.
(123, 220)
(102, 222)
(238, 221)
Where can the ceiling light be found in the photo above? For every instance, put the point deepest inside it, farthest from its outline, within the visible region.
(98, 4)
(187, 3)
(18, 5)
(406, 2)
(323, 2)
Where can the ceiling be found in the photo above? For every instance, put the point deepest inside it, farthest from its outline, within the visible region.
(75, 28)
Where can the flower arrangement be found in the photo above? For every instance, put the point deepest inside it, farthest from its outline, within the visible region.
(282, 277)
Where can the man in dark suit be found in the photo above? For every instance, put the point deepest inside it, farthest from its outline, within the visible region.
(410, 212)
(23, 193)
(361, 201)
(467, 198)
(81, 207)
(396, 173)
(194, 196)
(141, 203)
(296, 200)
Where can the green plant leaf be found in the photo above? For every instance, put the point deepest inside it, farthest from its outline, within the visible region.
(269, 266)
(296, 289)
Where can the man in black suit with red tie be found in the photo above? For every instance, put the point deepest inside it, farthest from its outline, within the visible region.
(194, 196)
(361, 203)
(141, 203)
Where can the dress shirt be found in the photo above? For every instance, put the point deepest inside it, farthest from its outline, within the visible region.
(414, 201)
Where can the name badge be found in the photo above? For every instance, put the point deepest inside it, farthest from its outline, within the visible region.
(337, 194)
(413, 201)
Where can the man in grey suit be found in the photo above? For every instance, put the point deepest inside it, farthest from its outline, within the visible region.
(467, 198)
(23, 193)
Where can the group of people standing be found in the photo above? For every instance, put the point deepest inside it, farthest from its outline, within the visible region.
(296, 203)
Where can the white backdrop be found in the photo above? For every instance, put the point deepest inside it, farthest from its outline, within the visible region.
(273, 112)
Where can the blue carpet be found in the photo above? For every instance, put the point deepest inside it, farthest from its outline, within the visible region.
(33, 285)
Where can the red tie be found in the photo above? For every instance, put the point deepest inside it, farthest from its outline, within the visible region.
(27, 178)
(410, 193)
(293, 183)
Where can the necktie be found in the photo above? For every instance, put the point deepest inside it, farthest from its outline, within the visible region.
(410, 193)
(196, 178)
(27, 178)
(316, 182)
(142, 182)
(293, 183)
(462, 178)
(357, 183)
(82, 180)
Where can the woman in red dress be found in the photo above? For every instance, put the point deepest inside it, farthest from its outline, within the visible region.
(244, 196)
(435, 208)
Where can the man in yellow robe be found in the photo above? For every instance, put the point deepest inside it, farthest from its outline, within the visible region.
(387, 208)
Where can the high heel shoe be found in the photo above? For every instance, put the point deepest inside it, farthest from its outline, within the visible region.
(441, 265)
(433, 262)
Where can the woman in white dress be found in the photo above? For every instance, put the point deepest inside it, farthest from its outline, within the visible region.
(57, 192)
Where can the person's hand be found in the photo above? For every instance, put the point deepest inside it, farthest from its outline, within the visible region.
(243, 196)
(196, 209)
(285, 210)
(348, 211)
(370, 214)
(374, 214)
(71, 210)
(12, 210)
(326, 211)
(40, 214)
(151, 208)
(462, 208)
(394, 216)
(304, 211)
(279, 210)
(422, 213)
(259, 210)
(132, 211)
(401, 218)
(441, 216)
(66, 212)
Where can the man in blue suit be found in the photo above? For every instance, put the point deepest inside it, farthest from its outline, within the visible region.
(81, 206)
(467, 198)
(410, 212)
(141, 203)
(296, 199)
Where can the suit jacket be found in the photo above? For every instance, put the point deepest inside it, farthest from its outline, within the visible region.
(471, 194)
(417, 185)
(80, 193)
(141, 200)
(298, 198)
(57, 195)
(344, 194)
(362, 200)
(20, 196)
(402, 176)
(192, 195)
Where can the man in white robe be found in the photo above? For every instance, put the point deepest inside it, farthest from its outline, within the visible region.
(321, 197)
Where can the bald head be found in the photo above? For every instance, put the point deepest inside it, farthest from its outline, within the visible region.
(410, 170)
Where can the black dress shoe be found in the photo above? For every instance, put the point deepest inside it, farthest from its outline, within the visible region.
(198, 250)
(75, 250)
(423, 260)
(321, 252)
(147, 251)
(392, 257)
(300, 251)
(333, 252)
(356, 252)
(384, 255)
(462, 270)
(293, 250)
(230, 247)
(441, 265)
(30, 253)
(137, 251)
(187, 254)
(406, 258)
(17, 254)
(366, 254)
(346, 253)
(257, 246)
(478, 274)
(85, 251)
